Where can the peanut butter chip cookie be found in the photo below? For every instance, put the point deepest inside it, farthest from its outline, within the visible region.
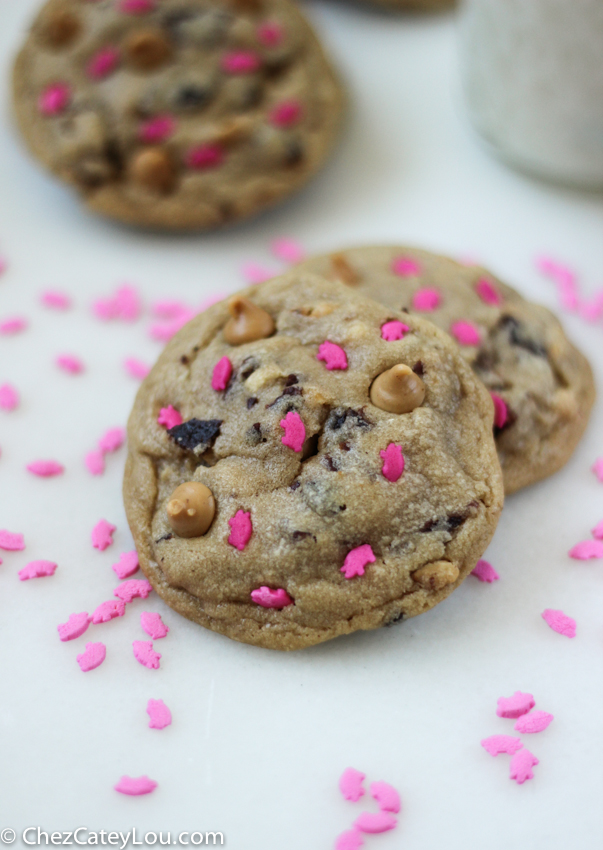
(541, 385)
(182, 114)
(332, 466)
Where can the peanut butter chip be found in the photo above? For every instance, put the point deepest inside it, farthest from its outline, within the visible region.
(191, 509)
(61, 28)
(147, 49)
(437, 575)
(398, 390)
(342, 270)
(153, 169)
(248, 323)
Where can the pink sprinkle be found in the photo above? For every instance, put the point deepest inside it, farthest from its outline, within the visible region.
(356, 560)
(497, 744)
(484, 571)
(586, 550)
(501, 413)
(14, 325)
(592, 310)
(465, 333)
(135, 588)
(112, 440)
(240, 62)
(597, 468)
(127, 564)
(55, 300)
(164, 331)
(565, 279)
(286, 114)
(597, 531)
(221, 374)
(393, 462)
(295, 431)
(286, 249)
(406, 267)
(169, 309)
(145, 654)
(153, 625)
(333, 355)
(128, 303)
(135, 787)
(45, 468)
(375, 823)
(535, 721)
(241, 529)
(488, 292)
(349, 840)
(69, 363)
(169, 417)
(136, 7)
(75, 626)
(254, 273)
(11, 542)
(426, 300)
(103, 63)
(393, 330)
(159, 714)
(9, 397)
(3, 264)
(269, 598)
(37, 569)
(560, 622)
(157, 129)
(205, 156)
(136, 368)
(92, 657)
(521, 766)
(516, 705)
(387, 797)
(95, 462)
(350, 784)
(107, 611)
(102, 535)
(270, 33)
(54, 99)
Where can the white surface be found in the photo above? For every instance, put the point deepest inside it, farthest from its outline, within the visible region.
(259, 738)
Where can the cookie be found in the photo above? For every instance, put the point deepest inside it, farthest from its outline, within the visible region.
(177, 114)
(542, 386)
(326, 465)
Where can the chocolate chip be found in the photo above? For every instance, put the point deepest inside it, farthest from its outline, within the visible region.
(196, 435)
(295, 486)
(520, 337)
(251, 402)
(485, 361)
(294, 153)
(184, 360)
(449, 523)
(330, 463)
(340, 415)
(191, 97)
(345, 446)
(418, 368)
(395, 619)
(254, 434)
(291, 379)
(288, 391)
(302, 535)
(248, 367)
(165, 537)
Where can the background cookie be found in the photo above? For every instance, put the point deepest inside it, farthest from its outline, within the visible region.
(182, 114)
(542, 385)
(328, 512)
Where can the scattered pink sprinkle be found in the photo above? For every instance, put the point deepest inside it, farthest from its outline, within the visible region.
(135, 588)
(55, 300)
(37, 569)
(102, 535)
(221, 374)
(131, 786)
(484, 571)
(286, 249)
(75, 626)
(586, 550)
(497, 744)
(205, 156)
(69, 363)
(269, 598)
(351, 839)
(45, 468)
(3, 264)
(393, 462)
(356, 560)
(54, 99)
(14, 325)
(406, 267)
(103, 63)
(564, 277)
(597, 531)
(153, 625)
(465, 333)
(597, 468)
(560, 622)
(387, 797)
(169, 308)
(169, 417)
(521, 766)
(164, 331)
(241, 529)
(375, 823)
(393, 330)
(488, 292)
(136, 368)
(286, 114)
(157, 129)
(592, 310)
(107, 611)
(501, 412)
(426, 300)
(127, 564)
(145, 654)
(350, 784)
(516, 705)
(112, 440)
(136, 7)
(333, 355)
(11, 542)
(295, 431)
(270, 33)
(9, 397)
(254, 273)
(240, 62)
(159, 714)
(95, 462)
(535, 721)
(125, 304)
(92, 657)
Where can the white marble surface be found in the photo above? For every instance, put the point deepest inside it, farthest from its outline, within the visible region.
(259, 739)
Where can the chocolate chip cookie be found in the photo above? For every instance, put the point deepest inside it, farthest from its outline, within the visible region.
(542, 386)
(179, 114)
(305, 462)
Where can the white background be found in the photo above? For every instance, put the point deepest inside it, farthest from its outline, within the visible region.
(259, 738)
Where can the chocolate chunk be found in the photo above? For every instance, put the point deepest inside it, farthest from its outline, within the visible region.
(338, 418)
(291, 379)
(295, 486)
(330, 463)
(254, 434)
(191, 97)
(165, 537)
(418, 368)
(288, 391)
(251, 402)
(248, 367)
(294, 153)
(520, 337)
(449, 523)
(196, 435)
(302, 535)
(485, 361)
(184, 360)
(396, 619)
